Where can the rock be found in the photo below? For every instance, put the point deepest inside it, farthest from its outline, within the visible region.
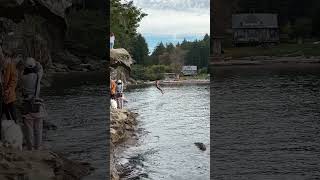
(122, 127)
(57, 8)
(34, 28)
(65, 57)
(120, 65)
(201, 146)
(120, 57)
(44, 165)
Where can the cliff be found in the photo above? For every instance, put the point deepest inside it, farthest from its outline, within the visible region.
(38, 28)
(120, 65)
(122, 121)
(122, 127)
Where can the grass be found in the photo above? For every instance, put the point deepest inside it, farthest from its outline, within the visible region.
(291, 50)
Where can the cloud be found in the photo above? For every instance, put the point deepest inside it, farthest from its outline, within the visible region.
(176, 5)
(175, 17)
(174, 22)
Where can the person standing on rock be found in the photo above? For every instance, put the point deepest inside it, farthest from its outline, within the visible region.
(32, 104)
(119, 94)
(112, 39)
(8, 80)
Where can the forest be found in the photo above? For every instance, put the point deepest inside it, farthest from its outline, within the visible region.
(125, 19)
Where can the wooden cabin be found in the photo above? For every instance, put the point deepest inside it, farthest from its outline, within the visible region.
(255, 28)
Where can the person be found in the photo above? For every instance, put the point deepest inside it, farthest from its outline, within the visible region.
(119, 94)
(32, 104)
(113, 86)
(112, 39)
(8, 84)
(158, 86)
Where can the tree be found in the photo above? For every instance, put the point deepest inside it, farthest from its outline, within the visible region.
(170, 48)
(124, 21)
(159, 49)
(140, 49)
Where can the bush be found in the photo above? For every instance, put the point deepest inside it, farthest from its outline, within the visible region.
(152, 73)
(203, 71)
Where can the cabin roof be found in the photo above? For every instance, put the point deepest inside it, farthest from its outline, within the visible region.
(249, 21)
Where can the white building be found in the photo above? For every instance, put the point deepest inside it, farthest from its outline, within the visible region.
(189, 70)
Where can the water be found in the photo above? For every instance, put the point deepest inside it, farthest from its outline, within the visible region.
(76, 104)
(265, 122)
(169, 126)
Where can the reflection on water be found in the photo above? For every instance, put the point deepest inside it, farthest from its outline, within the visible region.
(76, 104)
(170, 124)
(265, 123)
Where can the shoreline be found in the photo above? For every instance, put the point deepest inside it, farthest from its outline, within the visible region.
(266, 60)
(123, 129)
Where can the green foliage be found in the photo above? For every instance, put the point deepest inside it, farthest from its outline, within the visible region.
(124, 21)
(152, 73)
(199, 52)
(203, 71)
(88, 27)
(187, 53)
(140, 49)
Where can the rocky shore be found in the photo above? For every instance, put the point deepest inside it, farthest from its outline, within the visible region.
(39, 165)
(122, 128)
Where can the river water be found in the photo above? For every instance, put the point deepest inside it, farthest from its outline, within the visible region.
(266, 122)
(76, 103)
(169, 125)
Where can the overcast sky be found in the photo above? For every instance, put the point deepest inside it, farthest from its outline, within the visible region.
(175, 17)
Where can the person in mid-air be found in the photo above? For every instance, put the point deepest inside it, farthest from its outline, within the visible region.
(158, 86)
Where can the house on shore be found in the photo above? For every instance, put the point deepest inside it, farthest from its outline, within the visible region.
(255, 28)
(189, 70)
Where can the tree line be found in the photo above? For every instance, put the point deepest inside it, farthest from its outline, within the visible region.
(124, 21)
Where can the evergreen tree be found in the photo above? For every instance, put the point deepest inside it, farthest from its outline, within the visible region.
(160, 49)
(140, 49)
(124, 21)
(170, 48)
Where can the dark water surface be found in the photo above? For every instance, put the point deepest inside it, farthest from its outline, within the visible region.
(266, 123)
(169, 125)
(76, 103)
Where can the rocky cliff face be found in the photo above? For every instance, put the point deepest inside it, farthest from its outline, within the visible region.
(37, 28)
(120, 65)
(122, 127)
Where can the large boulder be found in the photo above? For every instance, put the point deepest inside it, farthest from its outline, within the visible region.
(120, 57)
(120, 65)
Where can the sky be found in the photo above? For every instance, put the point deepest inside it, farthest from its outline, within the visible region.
(173, 20)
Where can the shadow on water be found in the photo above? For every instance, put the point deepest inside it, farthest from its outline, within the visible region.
(265, 122)
(76, 103)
